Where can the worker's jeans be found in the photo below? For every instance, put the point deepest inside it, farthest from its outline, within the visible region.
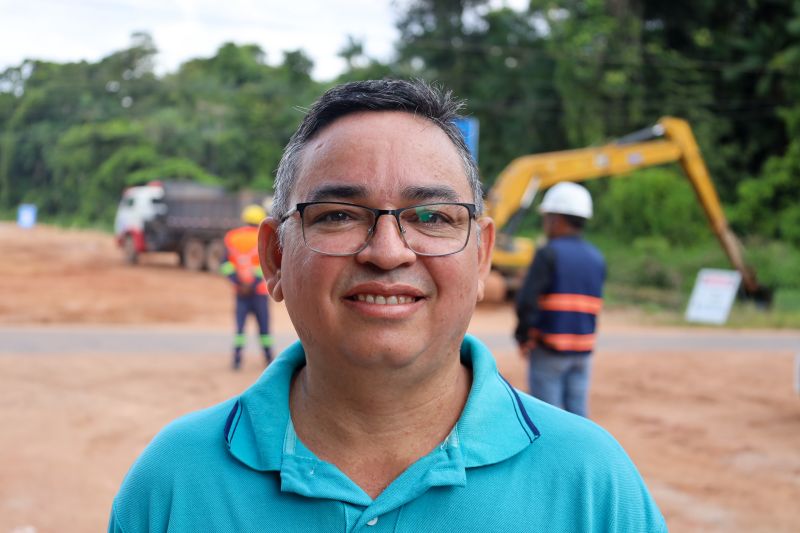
(560, 380)
(256, 304)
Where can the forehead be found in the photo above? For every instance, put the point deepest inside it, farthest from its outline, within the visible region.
(382, 156)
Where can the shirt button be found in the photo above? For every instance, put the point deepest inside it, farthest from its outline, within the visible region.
(372, 522)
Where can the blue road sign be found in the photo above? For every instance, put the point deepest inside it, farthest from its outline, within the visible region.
(470, 129)
(26, 216)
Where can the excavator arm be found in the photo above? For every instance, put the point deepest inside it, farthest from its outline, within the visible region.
(670, 140)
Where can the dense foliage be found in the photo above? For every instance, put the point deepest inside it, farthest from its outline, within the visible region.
(74, 135)
(562, 74)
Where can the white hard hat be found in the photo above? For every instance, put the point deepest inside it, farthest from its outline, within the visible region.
(567, 198)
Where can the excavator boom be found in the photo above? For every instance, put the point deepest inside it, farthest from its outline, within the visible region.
(670, 140)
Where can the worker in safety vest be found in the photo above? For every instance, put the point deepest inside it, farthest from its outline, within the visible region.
(242, 267)
(560, 299)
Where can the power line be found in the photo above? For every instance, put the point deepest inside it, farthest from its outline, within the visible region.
(498, 49)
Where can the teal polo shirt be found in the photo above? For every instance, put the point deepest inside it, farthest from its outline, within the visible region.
(511, 463)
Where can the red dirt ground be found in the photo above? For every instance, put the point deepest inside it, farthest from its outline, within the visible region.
(716, 435)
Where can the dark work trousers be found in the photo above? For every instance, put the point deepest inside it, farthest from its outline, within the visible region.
(257, 305)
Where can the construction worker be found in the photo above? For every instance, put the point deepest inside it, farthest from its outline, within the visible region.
(242, 267)
(559, 302)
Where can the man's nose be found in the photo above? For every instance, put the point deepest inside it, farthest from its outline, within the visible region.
(386, 248)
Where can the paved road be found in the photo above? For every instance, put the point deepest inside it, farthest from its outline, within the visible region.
(132, 340)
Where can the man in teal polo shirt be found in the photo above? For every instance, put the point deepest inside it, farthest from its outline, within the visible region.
(385, 416)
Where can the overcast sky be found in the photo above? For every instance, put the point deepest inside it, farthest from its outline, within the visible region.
(73, 30)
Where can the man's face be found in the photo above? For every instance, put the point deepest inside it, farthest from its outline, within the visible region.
(384, 306)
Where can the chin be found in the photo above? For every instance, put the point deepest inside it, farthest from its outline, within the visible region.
(387, 350)
(406, 350)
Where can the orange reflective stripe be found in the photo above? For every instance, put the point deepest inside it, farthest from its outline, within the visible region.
(570, 342)
(262, 288)
(579, 303)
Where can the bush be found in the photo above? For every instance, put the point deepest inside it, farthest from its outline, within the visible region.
(653, 262)
(768, 204)
(657, 202)
(777, 264)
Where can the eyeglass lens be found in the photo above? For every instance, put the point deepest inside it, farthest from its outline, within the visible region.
(342, 229)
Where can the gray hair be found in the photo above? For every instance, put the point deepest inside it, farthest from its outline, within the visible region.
(416, 97)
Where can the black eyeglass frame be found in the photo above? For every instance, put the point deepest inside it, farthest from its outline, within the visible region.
(301, 206)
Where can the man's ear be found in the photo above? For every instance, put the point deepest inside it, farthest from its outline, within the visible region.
(269, 253)
(485, 248)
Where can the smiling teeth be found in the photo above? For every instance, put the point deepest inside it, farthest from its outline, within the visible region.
(384, 300)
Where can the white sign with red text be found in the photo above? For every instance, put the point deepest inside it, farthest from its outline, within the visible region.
(713, 295)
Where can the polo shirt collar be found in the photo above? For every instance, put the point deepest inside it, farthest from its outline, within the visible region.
(493, 426)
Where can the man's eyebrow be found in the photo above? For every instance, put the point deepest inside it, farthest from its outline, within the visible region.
(425, 193)
(334, 191)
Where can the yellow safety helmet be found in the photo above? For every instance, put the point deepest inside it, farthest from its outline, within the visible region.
(253, 214)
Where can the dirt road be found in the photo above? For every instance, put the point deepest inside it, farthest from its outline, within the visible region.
(709, 417)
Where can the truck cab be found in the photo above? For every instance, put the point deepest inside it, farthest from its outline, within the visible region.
(138, 206)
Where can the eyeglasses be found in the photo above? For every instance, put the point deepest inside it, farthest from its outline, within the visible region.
(340, 228)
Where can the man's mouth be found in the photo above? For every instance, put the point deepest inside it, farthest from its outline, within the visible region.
(384, 300)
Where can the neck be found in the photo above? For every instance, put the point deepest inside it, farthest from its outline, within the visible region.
(374, 425)
(565, 232)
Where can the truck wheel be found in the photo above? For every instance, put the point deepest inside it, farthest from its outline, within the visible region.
(215, 253)
(194, 255)
(129, 250)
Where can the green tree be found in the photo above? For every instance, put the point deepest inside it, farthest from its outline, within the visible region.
(770, 203)
(498, 60)
(360, 66)
(76, 159)
(47, 99)
(597, 48)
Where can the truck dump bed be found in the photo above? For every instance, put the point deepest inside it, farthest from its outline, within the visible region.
(202, 209)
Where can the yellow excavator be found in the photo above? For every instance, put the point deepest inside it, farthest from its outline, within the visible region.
(669, 140)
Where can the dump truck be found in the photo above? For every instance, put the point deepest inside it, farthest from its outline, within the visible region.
(669, 140)
(184, 217)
